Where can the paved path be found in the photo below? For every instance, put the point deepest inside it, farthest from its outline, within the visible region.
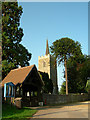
(75, 110)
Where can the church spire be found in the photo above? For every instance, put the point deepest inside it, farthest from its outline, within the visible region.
(47, 48)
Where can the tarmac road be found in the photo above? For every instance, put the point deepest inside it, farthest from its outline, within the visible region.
(72, 110)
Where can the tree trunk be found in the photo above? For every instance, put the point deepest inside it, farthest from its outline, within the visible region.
(66, 77)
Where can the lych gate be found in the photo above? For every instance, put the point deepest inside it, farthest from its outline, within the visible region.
(27, 84)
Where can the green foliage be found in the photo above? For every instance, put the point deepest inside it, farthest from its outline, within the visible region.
(78, 72)
(65, 48)
(14, 53)
(7, 66)
(88, 85)
(63, 88)
(48, 85)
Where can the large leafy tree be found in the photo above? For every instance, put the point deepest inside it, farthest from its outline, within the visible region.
(48, 85)
(63, 49)
(78, 73)
(14, 53)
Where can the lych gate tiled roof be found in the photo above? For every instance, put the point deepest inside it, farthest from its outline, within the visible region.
(17, 75)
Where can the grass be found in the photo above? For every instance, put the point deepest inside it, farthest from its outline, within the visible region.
(11, 112)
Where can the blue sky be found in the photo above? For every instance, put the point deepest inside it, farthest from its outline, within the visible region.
(52, 21)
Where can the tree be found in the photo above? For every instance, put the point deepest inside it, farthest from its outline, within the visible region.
(48, 85)
(63, 49)
(78, 73)
(14, 53)
(63, 88)
(84, 72)
(88, 86)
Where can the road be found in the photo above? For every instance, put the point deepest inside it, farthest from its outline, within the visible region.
(73, 110)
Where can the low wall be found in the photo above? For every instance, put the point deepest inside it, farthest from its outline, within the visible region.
(57, 99)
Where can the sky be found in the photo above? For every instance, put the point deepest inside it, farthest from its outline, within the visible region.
(53, 20)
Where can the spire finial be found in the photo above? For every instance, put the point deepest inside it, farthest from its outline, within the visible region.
(47, 48)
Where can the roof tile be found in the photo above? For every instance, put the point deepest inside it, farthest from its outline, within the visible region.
(17, 75)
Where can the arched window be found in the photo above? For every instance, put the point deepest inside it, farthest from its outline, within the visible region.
(44, 64)
(9, 89)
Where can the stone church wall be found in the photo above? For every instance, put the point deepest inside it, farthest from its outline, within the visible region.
(47, 64)
(57, 99)
(44, 64)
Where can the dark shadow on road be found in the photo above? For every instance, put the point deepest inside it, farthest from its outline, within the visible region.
(50, 113)
(61, 105)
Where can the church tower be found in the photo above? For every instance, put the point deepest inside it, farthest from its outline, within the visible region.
(47, 64)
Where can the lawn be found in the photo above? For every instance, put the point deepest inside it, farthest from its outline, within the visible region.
(11, 112)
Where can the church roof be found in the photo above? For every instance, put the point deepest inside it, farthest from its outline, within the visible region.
(47, 48)
(18, 75)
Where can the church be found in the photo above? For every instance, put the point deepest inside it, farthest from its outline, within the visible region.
(48, 65)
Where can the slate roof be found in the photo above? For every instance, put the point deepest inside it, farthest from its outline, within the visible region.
(18, 75)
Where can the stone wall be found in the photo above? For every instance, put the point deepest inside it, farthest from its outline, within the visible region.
(47, 64)
(57, 99)
(44, 64)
